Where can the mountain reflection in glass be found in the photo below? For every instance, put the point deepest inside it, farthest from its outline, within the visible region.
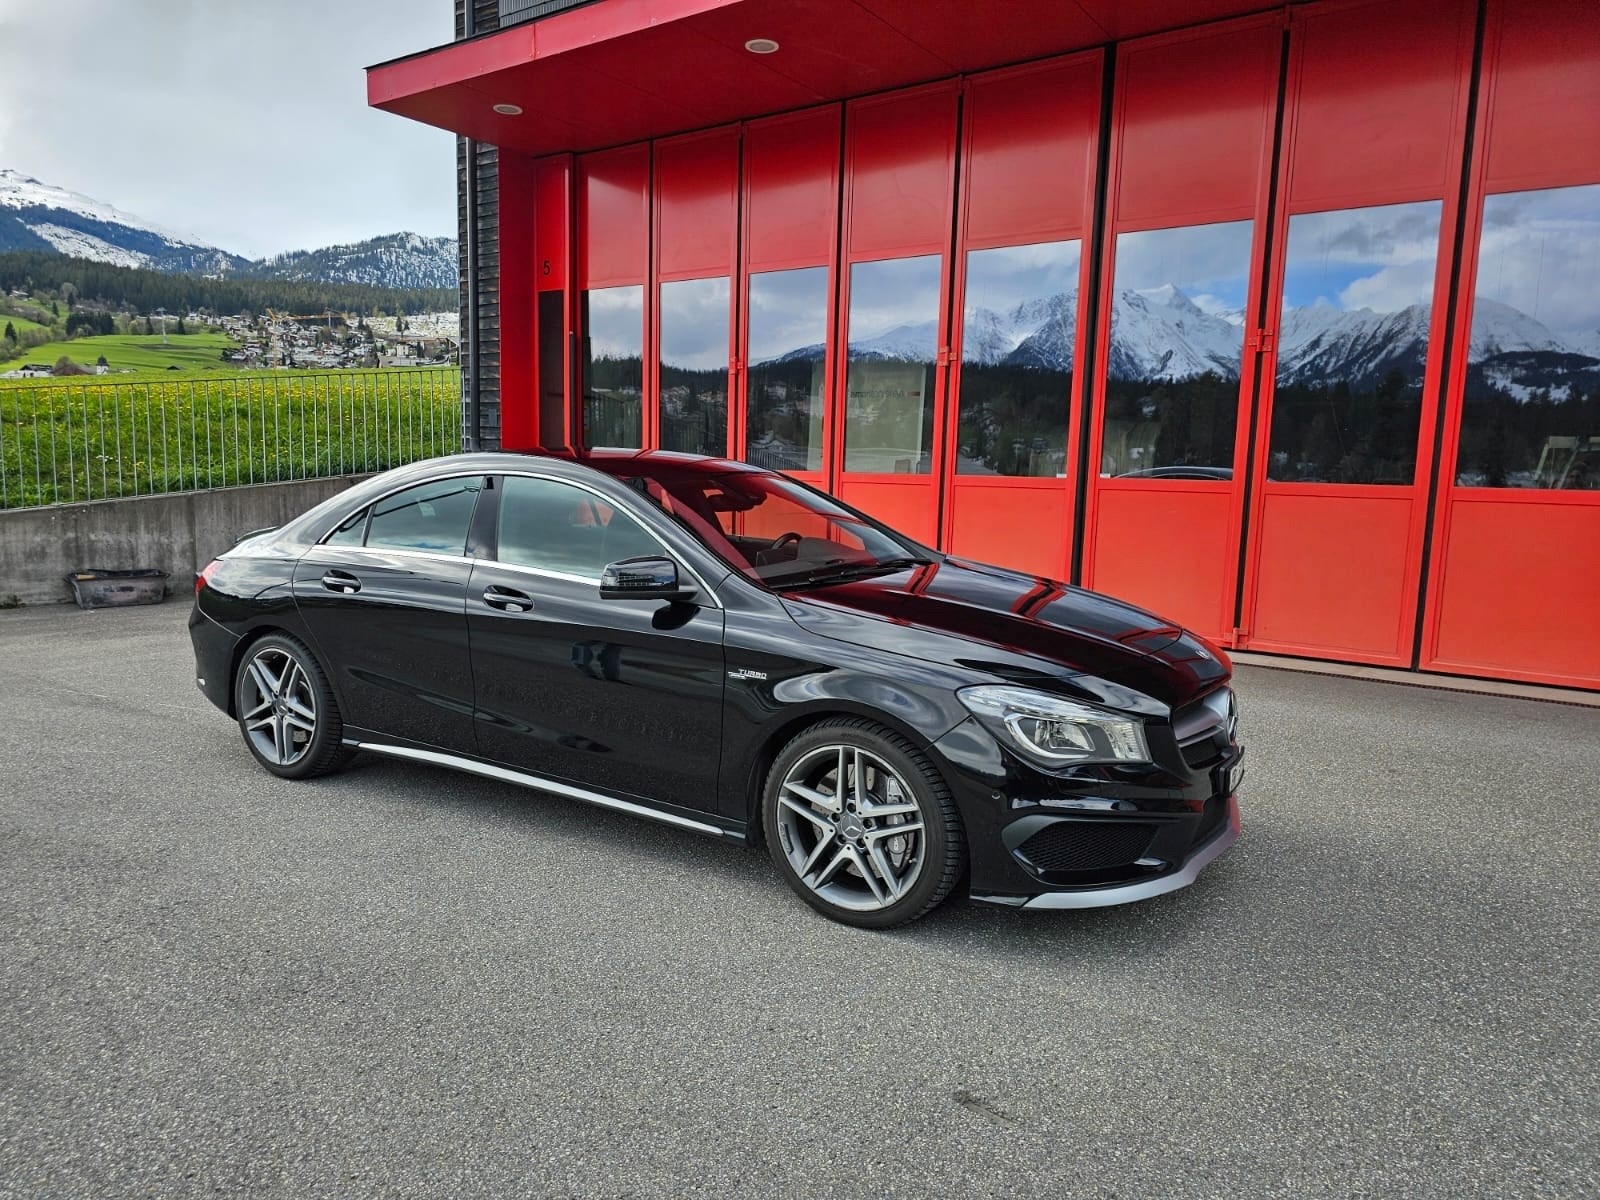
(1017, 328)
(694, 366)
(1177, 342)
(894, 335)
(613, 366)
(787, 373)
(1352, 347)
(1531, 409)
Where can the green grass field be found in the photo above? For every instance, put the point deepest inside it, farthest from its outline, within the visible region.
(138, 351)
(99, 437)
(20, 324)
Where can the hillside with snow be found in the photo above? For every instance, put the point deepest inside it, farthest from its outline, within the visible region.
(402, 260)
(35, 215)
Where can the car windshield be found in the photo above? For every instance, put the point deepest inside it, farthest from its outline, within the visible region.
(776, 531)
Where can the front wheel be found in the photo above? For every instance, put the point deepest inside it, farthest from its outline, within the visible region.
(862, 825)
(286, 709)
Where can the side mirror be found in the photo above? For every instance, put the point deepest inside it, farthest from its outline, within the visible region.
(648, 577)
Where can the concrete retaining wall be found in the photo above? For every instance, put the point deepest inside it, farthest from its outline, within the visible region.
(178, 533)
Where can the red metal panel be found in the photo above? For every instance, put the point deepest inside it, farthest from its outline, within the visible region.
(899, 505)
(1192, 113)
(900, 151)
(1018, 523)
(1544, 122)
(519, 409)
(1337, 563)
(552, 258)
(1030, 152)
(1171, 549)
(697, 204)
(553, 222)
(1518, 588)
(1515, 573)
(791, 176)
(1380, 102)
(613, 217)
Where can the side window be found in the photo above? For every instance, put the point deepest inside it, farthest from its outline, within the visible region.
(553, 526)
(352, 531)
(431, 516)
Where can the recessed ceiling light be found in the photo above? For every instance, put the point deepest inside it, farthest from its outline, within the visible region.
(508, 110)
(761, 46)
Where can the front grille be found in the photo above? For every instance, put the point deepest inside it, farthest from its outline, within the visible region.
(1206, 728)
(1087, 845)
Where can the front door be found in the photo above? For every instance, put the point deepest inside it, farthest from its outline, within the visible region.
(384, 598)
(620, 695)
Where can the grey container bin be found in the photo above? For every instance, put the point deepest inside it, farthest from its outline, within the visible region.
(95, 588)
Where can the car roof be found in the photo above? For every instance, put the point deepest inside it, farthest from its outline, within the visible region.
(630, 463)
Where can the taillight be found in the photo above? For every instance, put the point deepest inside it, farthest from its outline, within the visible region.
(203, 576)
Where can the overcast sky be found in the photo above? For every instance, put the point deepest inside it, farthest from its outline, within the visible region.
(243, 125)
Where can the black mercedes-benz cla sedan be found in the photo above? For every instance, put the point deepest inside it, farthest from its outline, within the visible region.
(727, 650)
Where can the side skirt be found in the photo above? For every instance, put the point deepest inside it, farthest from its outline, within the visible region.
(508, 775)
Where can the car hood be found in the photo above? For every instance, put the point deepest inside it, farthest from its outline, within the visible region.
(1018, 627)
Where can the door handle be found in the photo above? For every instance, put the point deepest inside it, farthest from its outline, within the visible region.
(507, 599)
(341, 581)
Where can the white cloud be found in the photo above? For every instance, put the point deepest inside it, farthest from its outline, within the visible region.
(1391, 288)
(242, 125)
(1540, 254)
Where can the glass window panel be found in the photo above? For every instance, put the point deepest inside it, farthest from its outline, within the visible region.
(554, 526)
(352, 531)
(1017, 327)
(893, 341)
(787, 373)
(552, 369)
(613, 367)
(430, 516)
(694, 366)
(1353, 344)
(1177, 343)
(1531, 410)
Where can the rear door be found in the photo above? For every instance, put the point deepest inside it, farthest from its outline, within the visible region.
(619, 695)
(384, 597)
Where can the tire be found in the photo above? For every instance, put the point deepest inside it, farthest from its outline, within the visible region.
(287, 712)
(846, 859)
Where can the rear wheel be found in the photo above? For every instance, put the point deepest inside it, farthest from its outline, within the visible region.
(861, 824)
(286, 709)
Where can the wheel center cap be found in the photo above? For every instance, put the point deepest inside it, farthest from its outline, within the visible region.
(852, 826)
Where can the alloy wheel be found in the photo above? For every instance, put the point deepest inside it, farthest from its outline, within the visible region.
(280, 706)
(851, 828)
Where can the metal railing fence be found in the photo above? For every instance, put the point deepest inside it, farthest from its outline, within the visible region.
(65, 441)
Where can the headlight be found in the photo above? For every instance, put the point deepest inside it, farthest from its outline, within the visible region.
(1054, 732)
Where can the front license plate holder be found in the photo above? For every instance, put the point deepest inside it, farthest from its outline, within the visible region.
(1230, 776)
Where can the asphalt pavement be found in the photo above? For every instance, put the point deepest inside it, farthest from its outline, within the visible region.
(399, 981)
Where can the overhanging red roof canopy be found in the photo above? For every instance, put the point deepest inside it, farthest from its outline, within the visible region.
(622, 70)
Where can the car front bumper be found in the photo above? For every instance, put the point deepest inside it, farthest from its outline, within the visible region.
(1091, 838)
(1201, 857)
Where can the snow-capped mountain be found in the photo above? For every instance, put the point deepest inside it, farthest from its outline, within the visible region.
(39, 216)
(401, 260)
(1161, 333)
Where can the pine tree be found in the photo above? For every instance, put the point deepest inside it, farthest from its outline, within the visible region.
(11, 332)
(180, 328)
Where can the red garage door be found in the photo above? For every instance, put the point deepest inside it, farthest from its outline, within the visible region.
(1027, 200)
(1190, 171)
(1368, 183)
(1514, 588)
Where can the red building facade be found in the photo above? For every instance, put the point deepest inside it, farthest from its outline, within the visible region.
(1282, 324)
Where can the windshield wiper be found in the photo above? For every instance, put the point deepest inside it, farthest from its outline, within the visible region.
(842, 571)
